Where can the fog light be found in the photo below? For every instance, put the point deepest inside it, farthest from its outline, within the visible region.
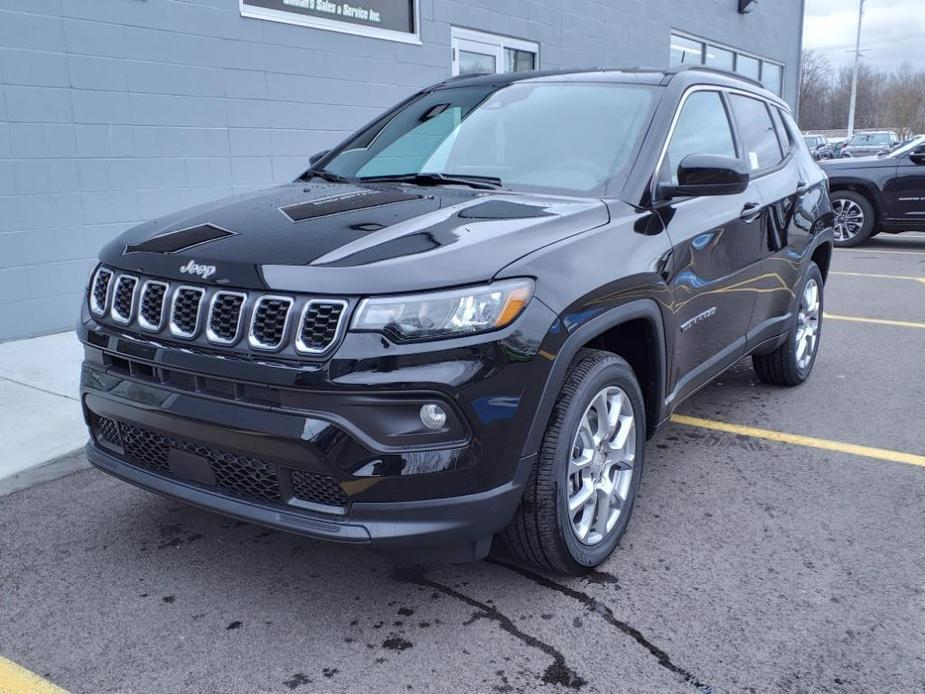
(433, 416)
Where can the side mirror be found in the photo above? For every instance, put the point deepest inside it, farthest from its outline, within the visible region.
(918, 155)
(708, 174)
(318, 155)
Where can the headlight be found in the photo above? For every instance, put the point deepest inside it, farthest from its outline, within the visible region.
(449, 313)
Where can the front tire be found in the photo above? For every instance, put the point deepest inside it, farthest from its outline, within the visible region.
(580, 494)
(792, 362)
(854, 218)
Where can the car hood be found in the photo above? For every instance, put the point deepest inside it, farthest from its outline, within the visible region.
(353, 239)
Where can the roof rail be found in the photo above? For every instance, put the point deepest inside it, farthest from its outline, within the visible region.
(714, 70)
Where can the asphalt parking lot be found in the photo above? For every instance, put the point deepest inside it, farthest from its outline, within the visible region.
(750, 565)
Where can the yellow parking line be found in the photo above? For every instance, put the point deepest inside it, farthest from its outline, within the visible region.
(880, 277)
(15, 679)
(797, 440)
(864, 250)
(876, 321)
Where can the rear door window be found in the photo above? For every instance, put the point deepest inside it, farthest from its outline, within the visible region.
(759, 137)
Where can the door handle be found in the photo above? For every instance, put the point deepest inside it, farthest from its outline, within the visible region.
(750, 212)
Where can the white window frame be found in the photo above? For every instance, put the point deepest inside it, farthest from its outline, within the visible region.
(706, 43)
(489, 44)
(335, 25)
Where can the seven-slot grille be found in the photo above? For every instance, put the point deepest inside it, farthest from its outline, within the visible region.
(269, 321)
(151, 307)
(123, 299)
(225, 317)
(319, 326)
(99, 294)
(220, 316)
(184, 313)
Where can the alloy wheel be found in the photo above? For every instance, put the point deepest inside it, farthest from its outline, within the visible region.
(849, 219)
(807, 324)
(601, 469)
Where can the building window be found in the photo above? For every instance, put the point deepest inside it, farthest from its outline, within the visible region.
(690, 50)
(749, 67)
(685, 51)
(721, 58)
(476, 51)
(395, 20)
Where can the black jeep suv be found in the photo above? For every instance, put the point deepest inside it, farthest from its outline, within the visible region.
(465, 320)
(880, 193)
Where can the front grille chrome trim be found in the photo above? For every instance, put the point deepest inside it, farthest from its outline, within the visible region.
(300, 345)
(113, 312)
(211, 336)
(253, 340)
(175, 329)
(95, 308)
(143, 322)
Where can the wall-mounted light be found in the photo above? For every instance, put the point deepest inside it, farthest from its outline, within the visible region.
(746, 6)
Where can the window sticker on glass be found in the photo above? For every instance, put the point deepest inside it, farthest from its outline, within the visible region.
(753, 160)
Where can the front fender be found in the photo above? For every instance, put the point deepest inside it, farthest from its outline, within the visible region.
(581, 335)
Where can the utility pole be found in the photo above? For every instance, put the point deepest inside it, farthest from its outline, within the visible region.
(854, 78)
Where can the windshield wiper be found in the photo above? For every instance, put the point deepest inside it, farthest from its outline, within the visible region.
(326, 175)
(440, 179)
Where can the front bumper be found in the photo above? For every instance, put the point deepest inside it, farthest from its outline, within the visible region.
(233, 435)
(463, 525)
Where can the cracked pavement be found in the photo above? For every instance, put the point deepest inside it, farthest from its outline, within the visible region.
(749, 565)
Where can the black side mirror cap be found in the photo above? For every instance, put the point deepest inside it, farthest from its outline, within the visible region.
(317, 156)
(708, 174)
(918, 155)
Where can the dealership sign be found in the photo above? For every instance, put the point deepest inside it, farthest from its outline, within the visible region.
(387, 19)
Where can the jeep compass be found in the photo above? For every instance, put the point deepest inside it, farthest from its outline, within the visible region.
(462, 324)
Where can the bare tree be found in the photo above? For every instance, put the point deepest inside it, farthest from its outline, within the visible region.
(815, 90)
(905, 100)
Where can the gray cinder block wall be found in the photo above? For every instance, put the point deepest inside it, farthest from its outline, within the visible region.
(116, 111)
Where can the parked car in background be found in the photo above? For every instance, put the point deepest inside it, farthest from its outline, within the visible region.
(467, 318)
(880, 193)
(819, 146)
(837, 144)
(866, 144)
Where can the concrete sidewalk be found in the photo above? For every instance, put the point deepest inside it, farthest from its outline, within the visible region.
(40, 418)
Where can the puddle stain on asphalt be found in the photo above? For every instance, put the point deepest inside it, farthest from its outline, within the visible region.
(557, 672)
(607, 614)
(297, 680)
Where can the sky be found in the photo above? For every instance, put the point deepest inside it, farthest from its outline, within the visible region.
(892, 31)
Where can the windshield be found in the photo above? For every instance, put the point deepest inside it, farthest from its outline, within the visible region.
(905, 149)
(569, 137)
(871, 139)
(812, 141)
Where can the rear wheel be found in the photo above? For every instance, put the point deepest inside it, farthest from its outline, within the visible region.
(854, 218)
(792, 362)
(580, 494)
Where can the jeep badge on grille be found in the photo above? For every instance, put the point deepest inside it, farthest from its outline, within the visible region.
(194, 268)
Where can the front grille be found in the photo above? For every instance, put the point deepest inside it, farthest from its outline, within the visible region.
(225, 317)
(317, 488)
(100, 293)
(123, 298)
(268, 324)
(151, 306)
(145, 448)
(240, 475)
(320, 325)
(218, 317)
(184, 314)
(108, 430)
